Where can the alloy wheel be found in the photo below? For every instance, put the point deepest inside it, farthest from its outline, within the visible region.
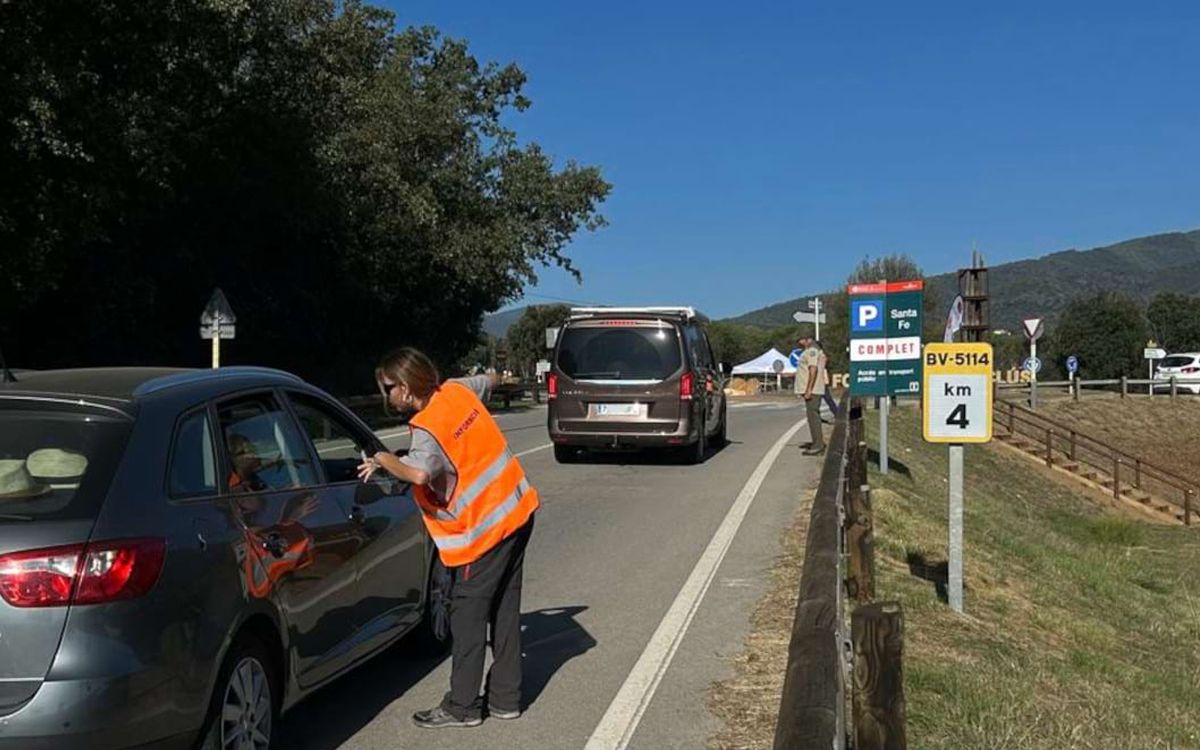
(246, 710)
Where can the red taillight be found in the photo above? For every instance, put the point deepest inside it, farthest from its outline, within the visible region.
(1190, 369)
(81, 574)
(686, 384)
(551, 386)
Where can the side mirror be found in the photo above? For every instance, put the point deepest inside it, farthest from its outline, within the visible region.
(725, 368)
(551, 337)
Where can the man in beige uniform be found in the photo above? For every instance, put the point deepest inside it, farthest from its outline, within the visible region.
(810, 385)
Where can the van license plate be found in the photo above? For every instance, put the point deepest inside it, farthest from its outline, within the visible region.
(618, 410)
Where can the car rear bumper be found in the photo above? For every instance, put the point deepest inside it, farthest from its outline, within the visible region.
(631, 435)
(131, 711)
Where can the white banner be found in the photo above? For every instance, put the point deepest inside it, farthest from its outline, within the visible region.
(878, 350)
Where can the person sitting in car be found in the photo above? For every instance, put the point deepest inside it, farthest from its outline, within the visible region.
(246, 464)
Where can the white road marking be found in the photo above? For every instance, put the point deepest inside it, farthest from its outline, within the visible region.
(621, 719)
(533, 450)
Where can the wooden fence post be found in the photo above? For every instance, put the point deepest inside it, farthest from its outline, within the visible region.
(1172, 386)
(877, 631)
(860, 544)
(1124, 386)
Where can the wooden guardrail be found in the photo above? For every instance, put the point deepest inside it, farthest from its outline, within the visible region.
(1171, 387)
(826, 652)
(1119, 470)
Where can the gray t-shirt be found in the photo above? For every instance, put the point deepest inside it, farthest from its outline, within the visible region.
(426, 453)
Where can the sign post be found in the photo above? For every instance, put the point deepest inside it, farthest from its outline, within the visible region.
(217, 322)
(958, 410)
(885, 345)
(1151, 353)
(816, 317)
(1033, 331)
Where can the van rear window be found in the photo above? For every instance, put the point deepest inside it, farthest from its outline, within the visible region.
(606, 352)
(56, 464)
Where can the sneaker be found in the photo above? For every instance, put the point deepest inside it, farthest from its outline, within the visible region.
(813, 451)
(499, 713)
(436, 718)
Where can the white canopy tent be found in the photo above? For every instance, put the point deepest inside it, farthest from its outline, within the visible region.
(764, 364)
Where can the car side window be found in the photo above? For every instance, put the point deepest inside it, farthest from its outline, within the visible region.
(265, 450)
(338, 443)
(708, 352)
(193, 471)
(699, 347)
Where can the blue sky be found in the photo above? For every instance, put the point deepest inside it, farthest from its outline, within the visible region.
(758, 152)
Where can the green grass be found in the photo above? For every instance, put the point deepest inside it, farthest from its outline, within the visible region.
(1081, 625)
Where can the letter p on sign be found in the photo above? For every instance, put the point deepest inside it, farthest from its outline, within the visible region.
(866, 315)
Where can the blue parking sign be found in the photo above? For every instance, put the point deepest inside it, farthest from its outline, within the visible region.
(866, 315)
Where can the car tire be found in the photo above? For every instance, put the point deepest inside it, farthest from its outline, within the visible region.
(423, 636)
(694, 454)
(722, 437)
(249, 685)
(566, 454)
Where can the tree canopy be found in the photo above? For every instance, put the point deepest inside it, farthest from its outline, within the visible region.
(349, 185)
(1107, 332)
(527, 337)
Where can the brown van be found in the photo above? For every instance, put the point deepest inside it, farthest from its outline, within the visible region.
(635, 377)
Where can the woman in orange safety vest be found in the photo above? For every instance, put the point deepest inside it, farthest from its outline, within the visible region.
(478, 508)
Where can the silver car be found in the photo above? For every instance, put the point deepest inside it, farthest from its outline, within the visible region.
(186, 554)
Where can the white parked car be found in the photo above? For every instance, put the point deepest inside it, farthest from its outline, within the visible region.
(1184, 367)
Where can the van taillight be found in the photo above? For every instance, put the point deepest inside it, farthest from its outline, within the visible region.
(1190, 369)
(92, 573)
(686, 384)
(551, 386)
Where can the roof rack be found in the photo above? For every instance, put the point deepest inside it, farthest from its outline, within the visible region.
(686, 312)
(198, 376)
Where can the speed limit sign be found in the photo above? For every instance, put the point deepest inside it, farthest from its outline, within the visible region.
(958, 393)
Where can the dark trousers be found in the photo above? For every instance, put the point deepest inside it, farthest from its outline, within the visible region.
(828, 399)
(812, 407)
(487, 593)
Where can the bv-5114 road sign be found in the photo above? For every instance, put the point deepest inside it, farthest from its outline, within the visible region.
(958, 393)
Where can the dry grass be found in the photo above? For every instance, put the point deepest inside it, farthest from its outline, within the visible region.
(1082, 626)
(748, 703)
(1160, 430)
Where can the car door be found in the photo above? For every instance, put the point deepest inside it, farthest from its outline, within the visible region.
(391, 565)
(707, 375)
(298, 544)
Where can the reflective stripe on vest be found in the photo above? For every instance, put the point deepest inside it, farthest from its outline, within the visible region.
(457, 541)
(463, 499)
(492, 498)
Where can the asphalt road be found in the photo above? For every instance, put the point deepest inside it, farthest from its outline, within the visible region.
(614, 652)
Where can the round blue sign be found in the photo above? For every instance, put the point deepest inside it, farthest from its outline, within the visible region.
(1072, 364)
(1032, 364)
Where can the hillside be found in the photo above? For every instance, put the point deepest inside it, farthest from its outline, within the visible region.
(1044, 286)
(497, 324)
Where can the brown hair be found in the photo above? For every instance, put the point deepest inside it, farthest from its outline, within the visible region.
(410, 367)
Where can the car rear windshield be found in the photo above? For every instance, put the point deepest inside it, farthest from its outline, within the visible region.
(56, 464)
(1177, 361)
(604, 350)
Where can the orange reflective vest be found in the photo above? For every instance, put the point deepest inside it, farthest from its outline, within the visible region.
(492, 498)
